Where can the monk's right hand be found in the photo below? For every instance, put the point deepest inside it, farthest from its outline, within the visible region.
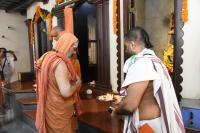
(35, 87)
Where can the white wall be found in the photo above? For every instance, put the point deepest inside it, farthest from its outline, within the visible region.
(191, 57)
(113, 50)
(16, 39)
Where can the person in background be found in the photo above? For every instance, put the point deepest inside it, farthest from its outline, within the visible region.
(7, 65)
(7, 59)
(149, 103)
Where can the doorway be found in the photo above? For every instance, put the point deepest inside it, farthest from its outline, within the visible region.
(85, 30)
(42, 43)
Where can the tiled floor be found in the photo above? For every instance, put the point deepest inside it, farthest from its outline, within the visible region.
(16, 126)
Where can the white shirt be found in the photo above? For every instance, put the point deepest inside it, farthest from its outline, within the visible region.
(8, 69)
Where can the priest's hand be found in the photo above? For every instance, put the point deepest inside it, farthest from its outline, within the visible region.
(117, 99)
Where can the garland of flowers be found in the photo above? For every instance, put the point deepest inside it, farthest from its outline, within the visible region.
(184, 11)
(45, 16)
(49, 18)
(115, 16)
(59, 1)
(32, 37)
(168, 58)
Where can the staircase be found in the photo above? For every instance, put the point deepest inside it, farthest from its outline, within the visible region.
(28, 106)
(20, 97)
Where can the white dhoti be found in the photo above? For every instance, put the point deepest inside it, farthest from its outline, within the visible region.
(155, 124)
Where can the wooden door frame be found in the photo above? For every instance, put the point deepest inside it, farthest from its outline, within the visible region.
(178, 50)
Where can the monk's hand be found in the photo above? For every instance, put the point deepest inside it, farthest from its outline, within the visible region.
(35, 87)
(117, 99)
(78, 81)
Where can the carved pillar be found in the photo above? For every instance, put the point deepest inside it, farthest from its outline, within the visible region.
(128, 23)
(118, 47)
(178, 50)
(103, 49)
(28, 22)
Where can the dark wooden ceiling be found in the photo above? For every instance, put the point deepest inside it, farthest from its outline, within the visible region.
(17, 5)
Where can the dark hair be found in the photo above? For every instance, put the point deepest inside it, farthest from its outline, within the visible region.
(3, 50)
(13, 54)
(140, 35)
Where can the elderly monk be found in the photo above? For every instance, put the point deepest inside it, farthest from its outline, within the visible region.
(75, 62)
(56, 31)
(57, 84)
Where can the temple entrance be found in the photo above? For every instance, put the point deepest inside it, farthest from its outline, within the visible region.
(41, 45)
(85, 30)
(91, 26)
(156, 17)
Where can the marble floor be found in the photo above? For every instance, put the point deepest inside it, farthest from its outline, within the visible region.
(16, 126)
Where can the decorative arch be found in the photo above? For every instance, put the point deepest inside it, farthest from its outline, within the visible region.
(44, 15)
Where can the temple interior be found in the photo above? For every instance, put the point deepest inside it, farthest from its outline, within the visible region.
(26, 34)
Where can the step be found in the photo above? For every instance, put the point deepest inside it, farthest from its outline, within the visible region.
(27, 103)
(10, 101)
(20, 87)
(30, 113)
(29, 117)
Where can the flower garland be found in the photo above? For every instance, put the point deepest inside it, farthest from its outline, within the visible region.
(168, 58)
(115, 16)
(184, 11)
(45, 16)
(49, 18)
(32, 37)
(59, 1)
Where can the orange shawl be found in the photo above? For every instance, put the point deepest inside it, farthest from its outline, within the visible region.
(63, 45)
